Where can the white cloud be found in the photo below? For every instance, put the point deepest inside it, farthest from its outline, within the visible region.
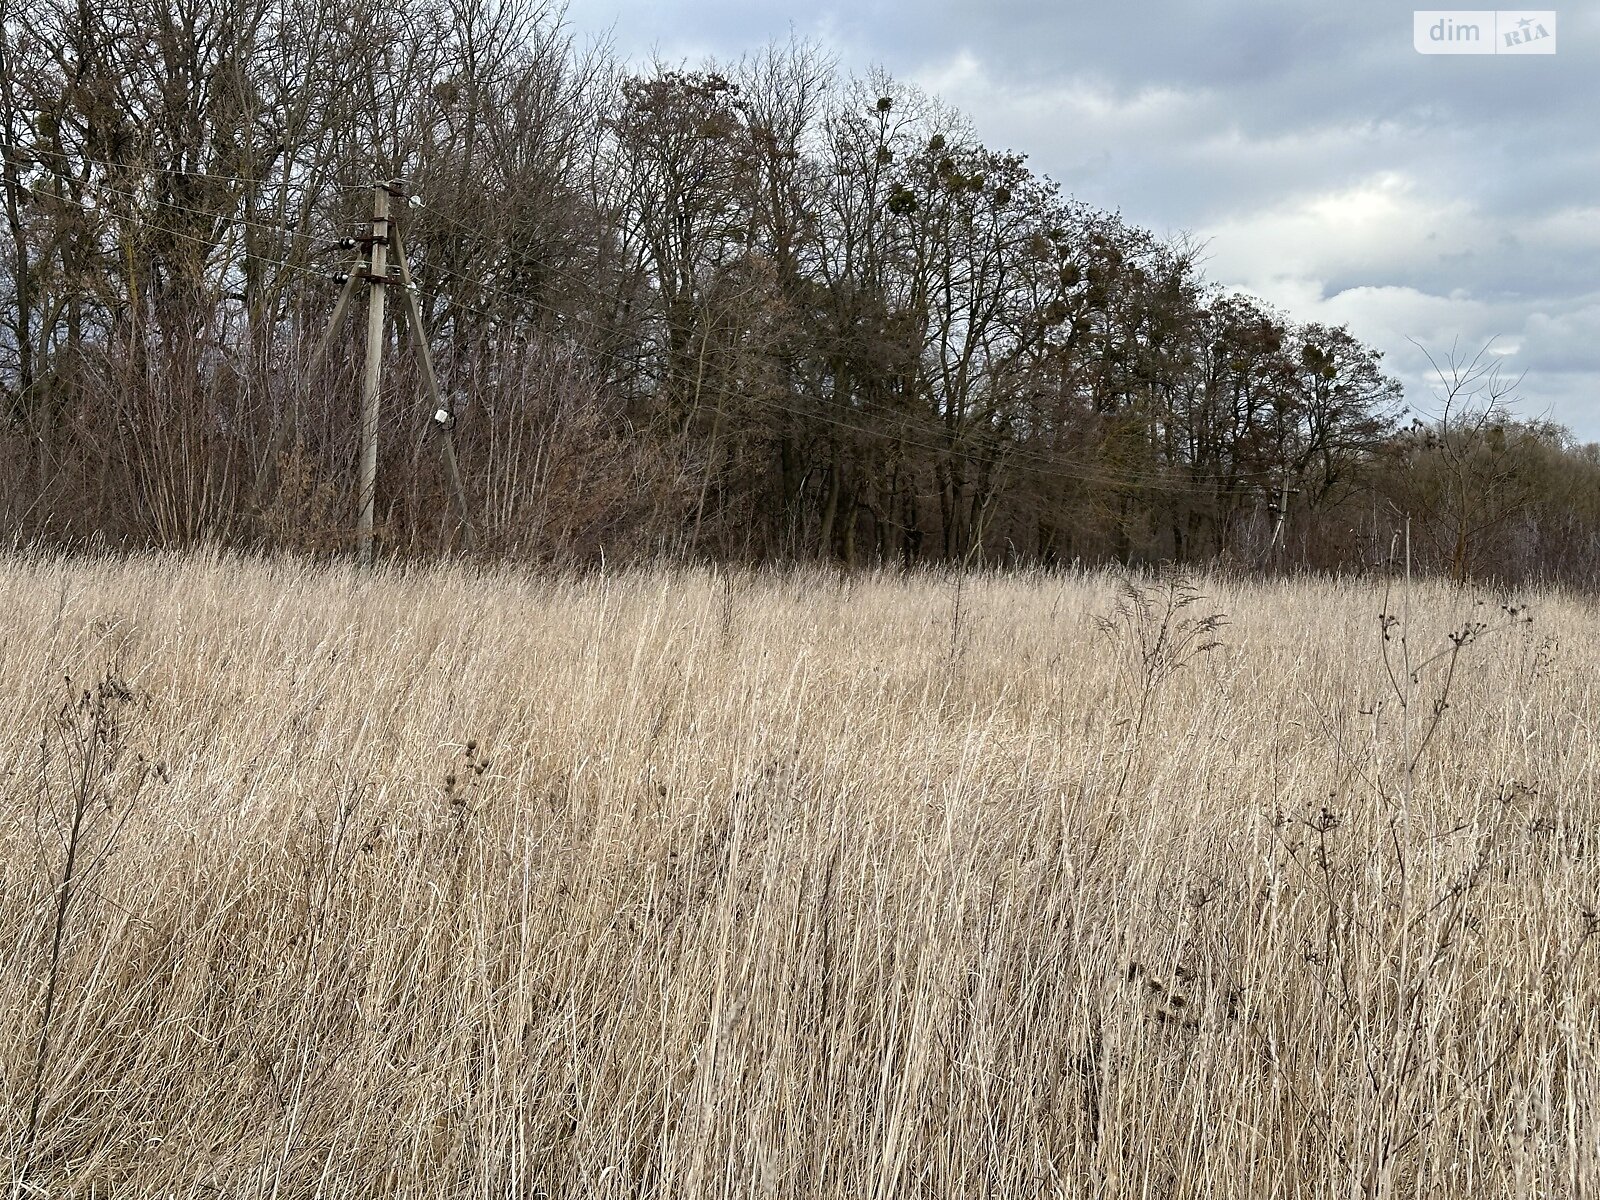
(1384, 222)
(1390, 225)
(1075, 109)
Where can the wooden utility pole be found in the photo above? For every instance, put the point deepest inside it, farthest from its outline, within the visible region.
(1283, 512)
(373, 269)
(377, 279)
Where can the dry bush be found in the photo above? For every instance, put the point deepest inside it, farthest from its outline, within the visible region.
(449, 882)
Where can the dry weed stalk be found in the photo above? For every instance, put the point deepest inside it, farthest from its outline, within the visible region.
(461, 882)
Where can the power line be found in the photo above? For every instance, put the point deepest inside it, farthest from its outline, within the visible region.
(1192, 484)
(21, 151)
(1022, 460)
(228, 219)
(1016, 458)
(232, 218)
(206, 244)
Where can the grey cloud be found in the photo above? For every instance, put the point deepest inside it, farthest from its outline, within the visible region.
(1218, 116)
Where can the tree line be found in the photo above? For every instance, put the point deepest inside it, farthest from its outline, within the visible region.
(757, 311)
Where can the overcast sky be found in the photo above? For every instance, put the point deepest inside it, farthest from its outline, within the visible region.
(1331, 169)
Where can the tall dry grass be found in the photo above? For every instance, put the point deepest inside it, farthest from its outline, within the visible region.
(448, 883)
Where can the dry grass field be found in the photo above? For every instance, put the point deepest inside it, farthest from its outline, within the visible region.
(456, 883)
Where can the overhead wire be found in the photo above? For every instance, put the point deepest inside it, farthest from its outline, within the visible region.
(213, 246)
(1119, 479)
(1027, 461)
(227, 219)
(21, 151)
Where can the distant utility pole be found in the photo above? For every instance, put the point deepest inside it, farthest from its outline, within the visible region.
(377, 280)
(1282, 513)
(373, 269)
